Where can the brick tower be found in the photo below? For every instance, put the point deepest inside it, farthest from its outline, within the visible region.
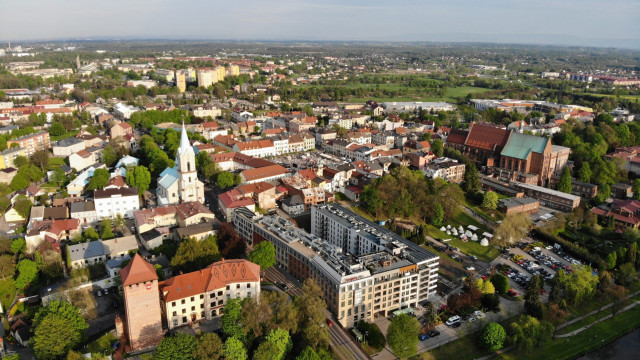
(142, 304)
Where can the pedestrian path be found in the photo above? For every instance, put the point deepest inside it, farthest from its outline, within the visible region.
(575, 332)
(572, 321)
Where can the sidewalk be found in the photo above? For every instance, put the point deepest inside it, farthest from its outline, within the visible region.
(572, 321)
(575, 332)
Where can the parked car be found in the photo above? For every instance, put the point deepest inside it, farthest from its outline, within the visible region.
(453, 320)
(329, 323)
(478, 314)
(433, 333)
(423, 337)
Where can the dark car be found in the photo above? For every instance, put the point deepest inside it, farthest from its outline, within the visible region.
(423, 337)
(456, 325)
(433, 333)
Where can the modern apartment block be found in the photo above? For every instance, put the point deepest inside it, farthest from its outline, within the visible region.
(362, 268)
(32, 142)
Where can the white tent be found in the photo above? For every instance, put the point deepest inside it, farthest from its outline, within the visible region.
(487, 235)
(472, 228)
(468, 233)
(449, 226)
(443, 228)
(448, 232)
(474, 237)
(454, 232)
(461, 229)
(484, 242)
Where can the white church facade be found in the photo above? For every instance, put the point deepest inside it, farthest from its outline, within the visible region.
(180, 183)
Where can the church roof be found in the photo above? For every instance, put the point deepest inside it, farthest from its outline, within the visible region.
(168, 177)
(520, 145)
(185, 145)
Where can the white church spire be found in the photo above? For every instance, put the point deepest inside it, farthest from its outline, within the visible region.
(185, 146)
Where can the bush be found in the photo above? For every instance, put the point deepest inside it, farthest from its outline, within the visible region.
(492, 337)
(375, 338)
(501, 283)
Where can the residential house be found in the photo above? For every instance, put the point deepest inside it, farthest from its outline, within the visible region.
(112, 202)
(8, 156)
(57, 230)
(85, 211)
(68, 146)
(121, 129)
(84, 254)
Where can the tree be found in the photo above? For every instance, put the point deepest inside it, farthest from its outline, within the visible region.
(490, 200)
(532, 302)
(234, 349)
(584, 174)
(224, 180)
(40, 159)
(119, 223)
(19, 182)
(430, 314)
(627, 274)
(529, 332)
(229, 320)
(18, 245)
(263, 254)
(580, 284)
(513, 228)
(437, 147)
(564, 184)
(194, 255)
(471, 181)
(501, 283)
(612, 260)
(27, 274)
(402, 336)
(230, 244)
(438, 215)
(485, 286)
(90, 234)
(105, 229)
(618, 294)
(99, 179)
(275, 347)
(636, 189)
(58, 327)
(179, 346)
(308, 354)
(139, 177)
(555, 314)
(57, 129)
(23, 206)
(492, 337)
(208, 347)
(311, 319)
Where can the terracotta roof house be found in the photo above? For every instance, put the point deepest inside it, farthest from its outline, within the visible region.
(485, 142)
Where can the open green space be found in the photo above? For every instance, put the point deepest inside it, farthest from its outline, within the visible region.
(484, 253)
(7, 292)
(451, 95)
(628, 97)
(462, 349)
(102, 344)
(584, 342)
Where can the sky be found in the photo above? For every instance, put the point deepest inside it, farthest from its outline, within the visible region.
(560, 22)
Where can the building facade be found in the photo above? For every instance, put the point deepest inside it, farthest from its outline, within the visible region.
(32, 142)
(109, 203)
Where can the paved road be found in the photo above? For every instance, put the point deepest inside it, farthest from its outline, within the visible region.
(340, 340)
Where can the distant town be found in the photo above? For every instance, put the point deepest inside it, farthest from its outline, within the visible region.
(316, 201)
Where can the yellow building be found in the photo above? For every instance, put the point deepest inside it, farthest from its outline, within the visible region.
(181, 80)
(222, 73)
(233, 70)
(8, 156)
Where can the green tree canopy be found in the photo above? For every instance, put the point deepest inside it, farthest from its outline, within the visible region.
(194, 255)
(18, 245)
(106, 231)
(471, 180)
(23, 206)
(402, 336)
(139, 177)
(437, 147)
(492, 337)
(234, 349)
(27, 274)
(58, 327)
(500, 283)
(99, 179)
(584, 174)
(208, 347)
(225, 179)
(529, 332)
(311, 319)
(263, 254)
(490, 200)
(564, 184)
(513, 228)
(179, 346)
(230, 324)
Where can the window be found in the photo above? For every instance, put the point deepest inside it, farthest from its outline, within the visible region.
(212, 295)
(184, 311)
(237, 286)
(201, 306)
(175, 313)
(184, 319)
(182, 302)
(248, 286)
(249, 294)
(193, 308)
(175, 322)
(193, 298)
(228, 287)
(201, 296)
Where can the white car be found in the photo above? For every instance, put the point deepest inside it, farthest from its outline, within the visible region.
(453, 320)
(472, 319)
(470, 268)
(478, 314)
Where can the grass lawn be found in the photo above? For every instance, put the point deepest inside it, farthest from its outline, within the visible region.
(588, 340)
(102, 344)
(414, 94)
(356, 209)
(462, 91)
(461, 349)
(7, 293)
(484, 253)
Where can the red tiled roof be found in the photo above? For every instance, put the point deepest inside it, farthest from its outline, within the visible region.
(137, 271)
(234, 199)
(264, 172)
(487, 136)
(216, 276)
(457, 136)
(117, 181)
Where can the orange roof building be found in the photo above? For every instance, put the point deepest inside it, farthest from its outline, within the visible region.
(202, 294)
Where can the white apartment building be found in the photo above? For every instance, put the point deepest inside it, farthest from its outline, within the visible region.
(111, 202)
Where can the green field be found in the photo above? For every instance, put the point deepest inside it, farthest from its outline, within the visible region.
(7, 292)
(452, 94)
(628, 97)
(484, 253)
